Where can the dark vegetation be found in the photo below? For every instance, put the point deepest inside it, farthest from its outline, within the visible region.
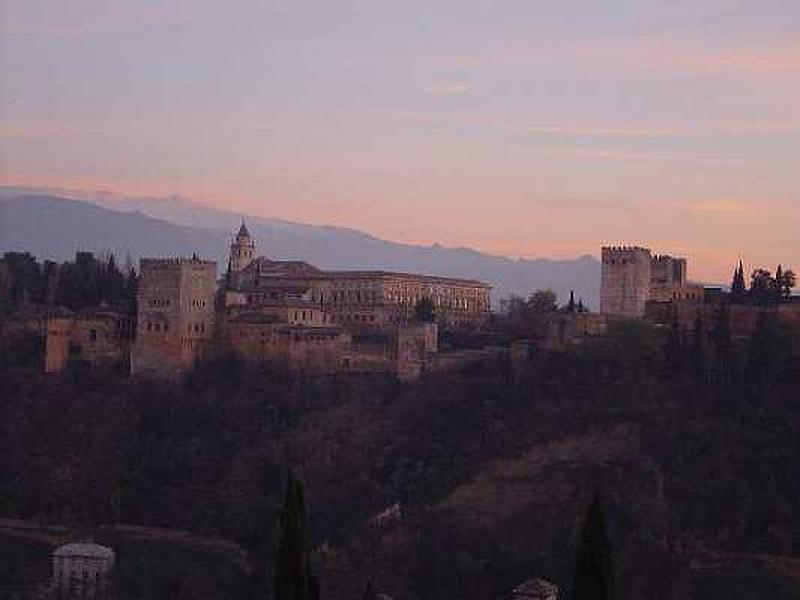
(765, 288)
(86, 282)
(594, 571)
(694, 441)
(692, 438)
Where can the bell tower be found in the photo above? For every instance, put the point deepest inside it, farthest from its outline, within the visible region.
(242, 250)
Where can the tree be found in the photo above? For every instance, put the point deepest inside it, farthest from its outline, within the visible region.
(738, 287)
(762, 286)
(784, 282)
(594, 573)
(293, 578)
(131, 288)
(571, 307)
(424, 311)
(542, 301)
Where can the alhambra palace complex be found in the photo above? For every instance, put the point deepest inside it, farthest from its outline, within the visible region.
(287, 313)
(306, 320)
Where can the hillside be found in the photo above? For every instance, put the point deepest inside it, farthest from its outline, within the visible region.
(491, 470)
(54, 227)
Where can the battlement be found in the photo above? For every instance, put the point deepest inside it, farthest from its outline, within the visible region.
(623, 254)
(625, 249)
(175, 261)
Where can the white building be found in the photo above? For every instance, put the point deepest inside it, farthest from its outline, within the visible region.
(81, 570)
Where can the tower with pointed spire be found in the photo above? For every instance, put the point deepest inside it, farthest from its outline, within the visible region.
(243, 250)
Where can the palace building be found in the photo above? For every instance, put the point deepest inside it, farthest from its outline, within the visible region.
(289, 314)
(357, 300)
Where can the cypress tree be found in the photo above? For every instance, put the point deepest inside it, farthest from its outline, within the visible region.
(571, 305)
(738, 288)
(775, 286)
(594, 573)
(293, 579)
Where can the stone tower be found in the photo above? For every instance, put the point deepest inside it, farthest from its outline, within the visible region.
(175, 315)
(626, 280)
(243, 250)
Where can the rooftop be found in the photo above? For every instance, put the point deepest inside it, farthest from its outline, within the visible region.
(84, 549)
(294, 268)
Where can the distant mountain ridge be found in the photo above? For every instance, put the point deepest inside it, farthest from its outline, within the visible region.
(54, 227)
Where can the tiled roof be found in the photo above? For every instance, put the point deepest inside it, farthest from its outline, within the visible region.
(296, 268)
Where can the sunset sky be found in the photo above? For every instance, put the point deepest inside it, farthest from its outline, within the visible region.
(525, 128)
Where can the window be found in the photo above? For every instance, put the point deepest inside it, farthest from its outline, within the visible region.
(93, 335)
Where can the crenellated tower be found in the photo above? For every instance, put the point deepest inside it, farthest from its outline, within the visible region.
(626, 280)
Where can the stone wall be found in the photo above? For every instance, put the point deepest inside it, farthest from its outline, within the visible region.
(415, 344)
(566, 329)
(743, 317)
(262, 339)
(101, 339)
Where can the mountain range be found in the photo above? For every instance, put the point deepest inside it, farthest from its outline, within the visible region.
(54, 224)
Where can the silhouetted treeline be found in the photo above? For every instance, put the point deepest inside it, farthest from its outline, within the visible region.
(765, 288)
(87, 282)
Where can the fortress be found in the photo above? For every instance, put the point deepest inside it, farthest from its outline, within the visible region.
(302, 319)
(292, 314)
(633, 276)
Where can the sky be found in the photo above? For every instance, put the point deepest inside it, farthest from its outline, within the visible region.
(520, 127)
